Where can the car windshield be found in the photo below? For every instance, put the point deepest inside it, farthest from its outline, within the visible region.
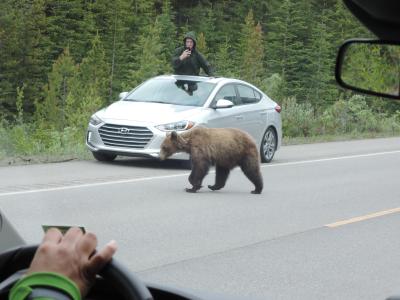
(209, 140)
(172, 91)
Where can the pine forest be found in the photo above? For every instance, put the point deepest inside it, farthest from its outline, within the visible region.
(62, 60)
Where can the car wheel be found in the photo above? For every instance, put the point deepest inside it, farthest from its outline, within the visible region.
(268, 145)
(101, 156)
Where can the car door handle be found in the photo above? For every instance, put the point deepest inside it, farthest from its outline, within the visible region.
(239, 117)
(264, 113)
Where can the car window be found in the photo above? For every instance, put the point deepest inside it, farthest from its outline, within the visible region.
(172, 91)
(227, 92)
(248, 95)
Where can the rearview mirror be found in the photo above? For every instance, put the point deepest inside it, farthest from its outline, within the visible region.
(370, 66)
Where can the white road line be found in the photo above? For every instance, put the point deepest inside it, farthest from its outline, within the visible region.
(186, 174)
(333, 158)
(90, 185)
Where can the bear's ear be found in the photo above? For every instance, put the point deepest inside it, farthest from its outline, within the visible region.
(181, 142)
(174, 136)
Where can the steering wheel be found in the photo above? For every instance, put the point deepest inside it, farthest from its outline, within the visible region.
(128, 286)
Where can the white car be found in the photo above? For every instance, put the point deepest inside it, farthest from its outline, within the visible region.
(137, 124)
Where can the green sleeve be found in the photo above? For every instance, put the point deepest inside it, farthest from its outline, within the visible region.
(25, 285)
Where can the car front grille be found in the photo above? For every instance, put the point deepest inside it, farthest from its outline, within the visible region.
(125, 136)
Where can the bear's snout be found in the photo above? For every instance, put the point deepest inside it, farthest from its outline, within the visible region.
(162, 156)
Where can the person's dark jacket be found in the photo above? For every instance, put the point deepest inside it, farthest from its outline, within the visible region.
(192, 64)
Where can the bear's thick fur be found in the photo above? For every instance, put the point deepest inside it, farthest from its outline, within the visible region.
(224, 147)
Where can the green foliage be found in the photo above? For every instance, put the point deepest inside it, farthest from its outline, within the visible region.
(168, 30)
(79, 115)
(202, 44)
(89, 86)
(19, 105)
(51, 112)
(295, 39)
(348, 118)
(118, 23)
(27, 140)
(273, 86)
(149, 61)
(62, 60)
(23, 52)
(21, 141)
(223, 60)
(297, 119)
(355, 115)
(321, 88)
(251, 51)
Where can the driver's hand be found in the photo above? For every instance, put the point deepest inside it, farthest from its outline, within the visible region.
(72, 255)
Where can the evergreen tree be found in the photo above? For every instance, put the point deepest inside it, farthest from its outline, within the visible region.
(69, 25)
(223, 61)
(120, 43)
(208, 29)
(278, 39)
(168, 33)
(344, 25)
(202, 44)
(50, 113)
(322, 88)
(288, 46)
(94, 70)
(118, 23)
(23, 52)
(251, 51)
(89, 87)
(9, 57)
(149, 61)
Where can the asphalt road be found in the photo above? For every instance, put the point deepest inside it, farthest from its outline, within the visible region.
(287, 243)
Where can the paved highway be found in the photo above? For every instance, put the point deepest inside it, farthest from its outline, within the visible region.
(327, 225)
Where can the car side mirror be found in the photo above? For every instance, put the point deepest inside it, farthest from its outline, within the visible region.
(370, 67)
(223, 103)
(123, 95)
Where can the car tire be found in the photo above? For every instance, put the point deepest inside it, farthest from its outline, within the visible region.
(101, 156)
(268, 145)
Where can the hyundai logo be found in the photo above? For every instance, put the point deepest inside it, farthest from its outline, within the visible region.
(124, 130)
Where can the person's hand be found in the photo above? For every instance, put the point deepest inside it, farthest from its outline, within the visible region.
(72, 255)
(185, 54)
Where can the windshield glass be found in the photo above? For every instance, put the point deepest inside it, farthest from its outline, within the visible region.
(172, 91)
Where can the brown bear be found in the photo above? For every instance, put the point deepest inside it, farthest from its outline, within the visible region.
(224, 147)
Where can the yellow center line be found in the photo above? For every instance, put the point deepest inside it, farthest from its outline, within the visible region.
(363, 218)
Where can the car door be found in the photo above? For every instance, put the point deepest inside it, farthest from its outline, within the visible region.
(253, 114)
(226, 117)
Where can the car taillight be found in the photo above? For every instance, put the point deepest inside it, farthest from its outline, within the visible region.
(278, 108)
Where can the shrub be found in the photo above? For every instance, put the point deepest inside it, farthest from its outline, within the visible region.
(297, 119)
(355, 116)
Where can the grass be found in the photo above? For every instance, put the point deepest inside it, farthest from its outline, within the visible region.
(334, 138)
(81, 153)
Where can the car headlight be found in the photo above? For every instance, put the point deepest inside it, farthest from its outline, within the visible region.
(177, 126)
(95, 120)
